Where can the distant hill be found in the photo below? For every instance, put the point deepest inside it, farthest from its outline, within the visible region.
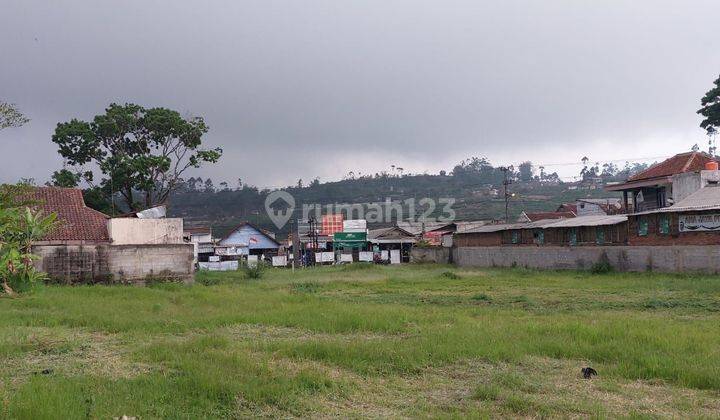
(475, 198)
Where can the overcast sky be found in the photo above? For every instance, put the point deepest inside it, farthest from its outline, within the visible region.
(305, 89)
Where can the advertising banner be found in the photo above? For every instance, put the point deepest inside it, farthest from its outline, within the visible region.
(699, 222)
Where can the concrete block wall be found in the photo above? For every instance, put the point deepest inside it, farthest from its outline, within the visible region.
(686, 258)
(105, 263)
(137, 263)
(72, 263)
(439, 255)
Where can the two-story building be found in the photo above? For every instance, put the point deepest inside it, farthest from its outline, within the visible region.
(667, 182)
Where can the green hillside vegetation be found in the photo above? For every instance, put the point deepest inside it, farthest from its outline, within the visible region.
(470, 183)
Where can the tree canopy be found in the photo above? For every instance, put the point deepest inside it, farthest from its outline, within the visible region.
(711, 109)
(140, 152)
(10, 116)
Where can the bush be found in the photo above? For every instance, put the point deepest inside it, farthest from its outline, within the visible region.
(602, 266)
(254, 271)
(482, 297)
(305, 287)
(450, 275)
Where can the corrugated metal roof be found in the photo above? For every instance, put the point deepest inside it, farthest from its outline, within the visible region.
(510, 226)
(416, 228)
(601, 220)
(491, 228)
(463, 226)
(399, 232)
(544, 215)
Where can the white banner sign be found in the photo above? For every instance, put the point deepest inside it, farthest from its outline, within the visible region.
(279, 261)
(395, 256)
(699, 222)
(359, 225)
(322, 257)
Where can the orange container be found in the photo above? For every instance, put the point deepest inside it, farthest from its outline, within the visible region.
(711, 166)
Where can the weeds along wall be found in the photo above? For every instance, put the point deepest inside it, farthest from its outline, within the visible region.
(105, 263)
(681, 258)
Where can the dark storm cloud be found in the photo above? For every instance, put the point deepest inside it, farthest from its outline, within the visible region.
(298, 89)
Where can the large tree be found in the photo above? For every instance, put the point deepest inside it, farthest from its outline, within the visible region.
(141, 153)
(10, 116)
(711, 109)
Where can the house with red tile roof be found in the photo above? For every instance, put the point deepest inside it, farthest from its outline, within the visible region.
(87, 246)
(77, 223)
(666, 182)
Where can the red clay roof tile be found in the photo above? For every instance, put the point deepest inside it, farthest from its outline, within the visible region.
(77, 222)
(680, 163)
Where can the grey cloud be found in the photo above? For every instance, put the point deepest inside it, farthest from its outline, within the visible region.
(302, 89)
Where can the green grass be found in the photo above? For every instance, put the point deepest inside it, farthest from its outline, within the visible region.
(365, 340)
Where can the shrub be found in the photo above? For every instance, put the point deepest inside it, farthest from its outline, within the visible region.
(602, 266)
(482, 297)
(423, 243)
(306, 287)
(254, 271)
(208, 280)
(450, 275)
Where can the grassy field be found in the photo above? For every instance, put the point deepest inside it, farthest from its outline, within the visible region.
(359, 341)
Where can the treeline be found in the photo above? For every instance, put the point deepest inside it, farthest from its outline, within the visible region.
(474, 182)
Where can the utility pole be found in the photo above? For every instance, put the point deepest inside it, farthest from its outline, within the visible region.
(506, 182)
(314, 236)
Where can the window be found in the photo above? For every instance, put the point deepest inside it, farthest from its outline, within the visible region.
(664, 224)
(573, 236)
(642, 226)
(514, 237)
(599, 235)
(539, 236)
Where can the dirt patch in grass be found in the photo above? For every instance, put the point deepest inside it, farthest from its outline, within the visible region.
(69, 352)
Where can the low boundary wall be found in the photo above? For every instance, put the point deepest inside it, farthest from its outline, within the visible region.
(105, 263)
(687, 258)
(436, 254)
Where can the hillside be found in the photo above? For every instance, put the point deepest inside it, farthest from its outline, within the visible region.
(474, 200)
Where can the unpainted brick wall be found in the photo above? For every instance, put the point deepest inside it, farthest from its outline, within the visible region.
(674, 237)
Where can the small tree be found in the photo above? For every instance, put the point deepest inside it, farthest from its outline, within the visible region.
(525, 171)
(138, 150)
(10, 116)
(19, 227)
